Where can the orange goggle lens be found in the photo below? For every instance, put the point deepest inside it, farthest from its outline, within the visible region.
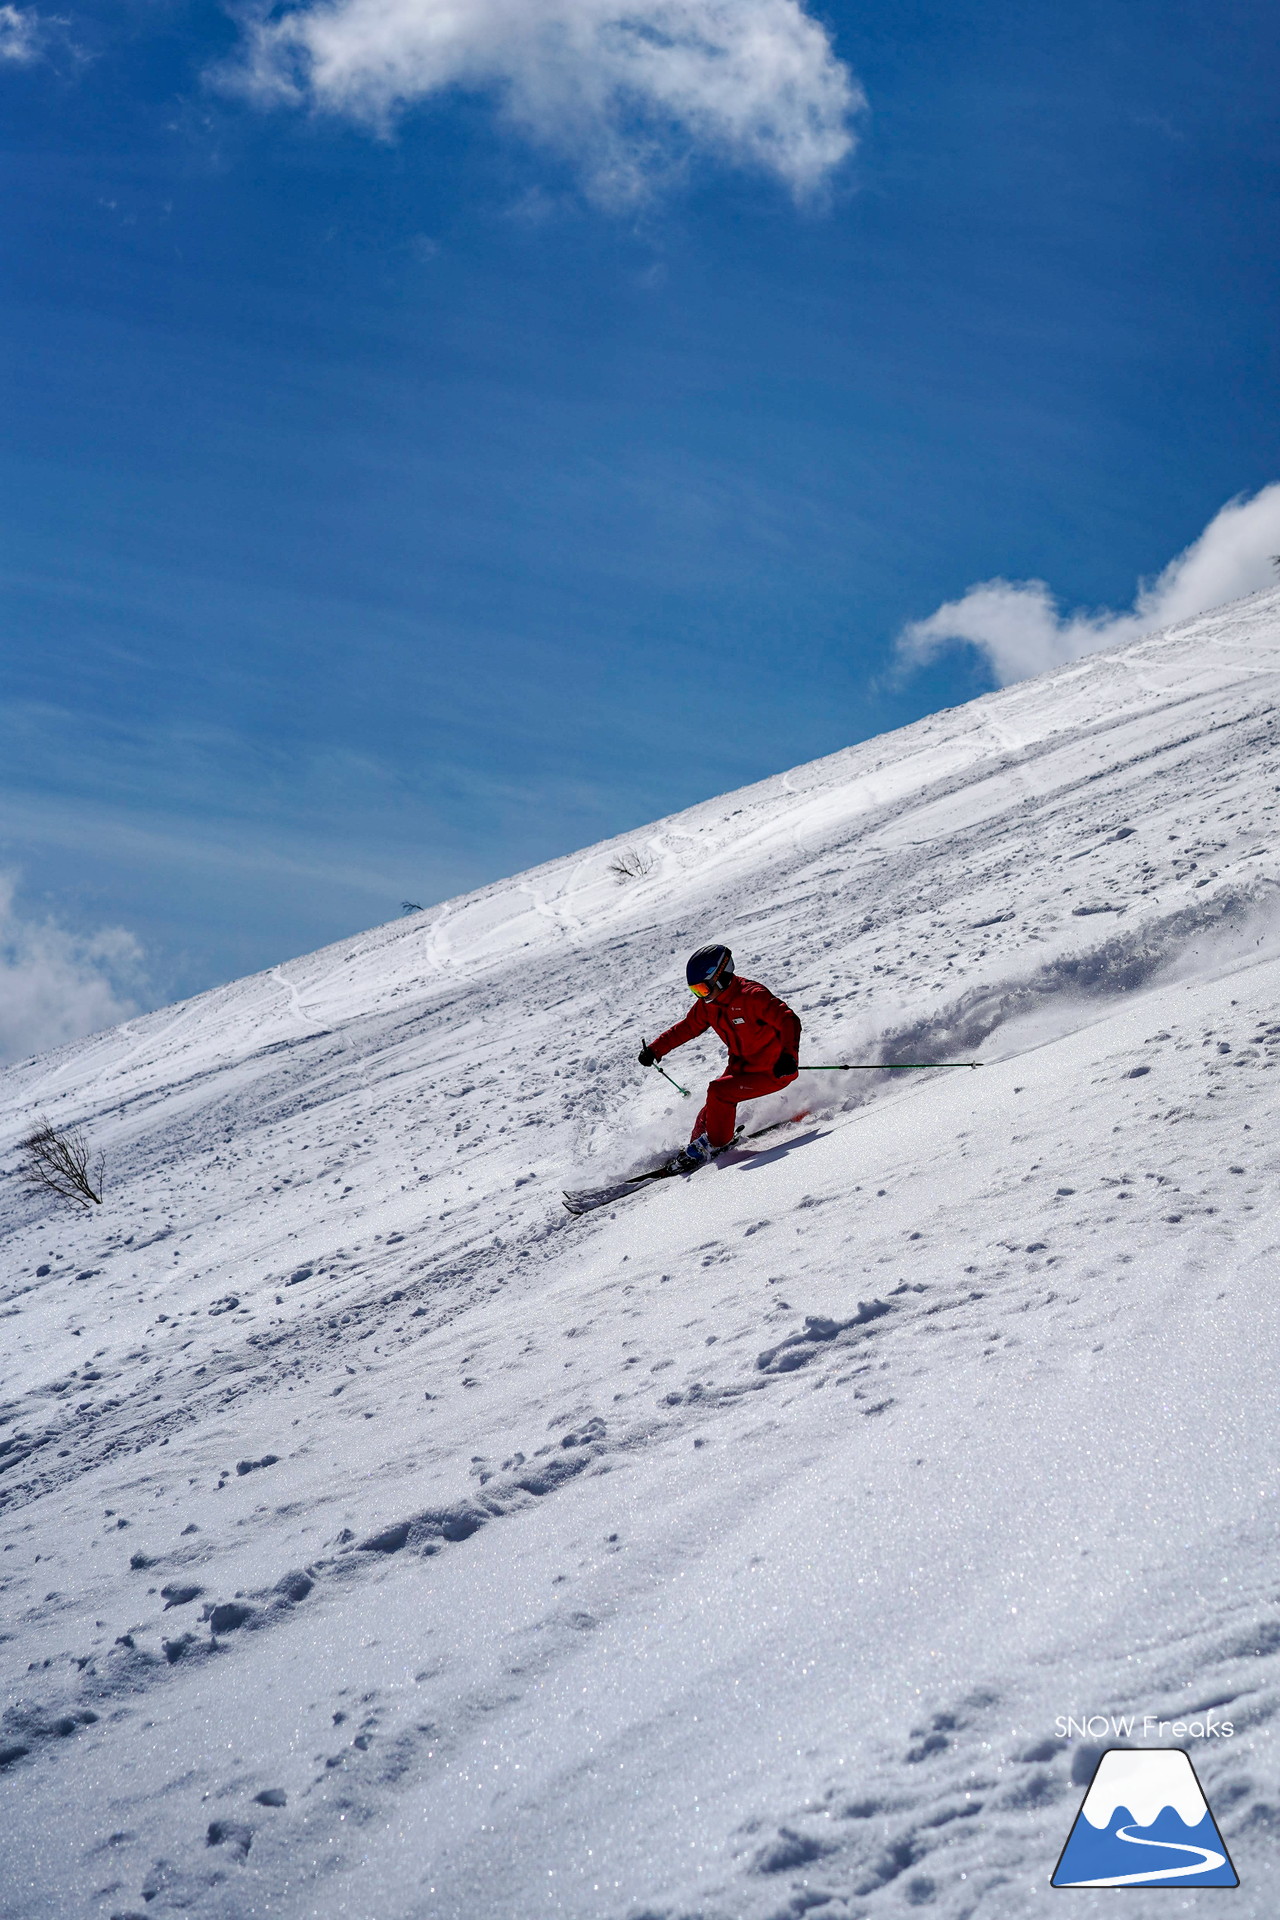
(701, 987)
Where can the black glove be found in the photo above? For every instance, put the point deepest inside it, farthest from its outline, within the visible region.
(785, 1065)
(647, 1057)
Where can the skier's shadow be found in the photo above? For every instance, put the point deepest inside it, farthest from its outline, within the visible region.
(749, 1161)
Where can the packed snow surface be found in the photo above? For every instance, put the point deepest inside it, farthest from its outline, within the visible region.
(378, 1540)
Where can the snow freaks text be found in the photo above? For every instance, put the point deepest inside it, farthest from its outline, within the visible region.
(1123, 1726)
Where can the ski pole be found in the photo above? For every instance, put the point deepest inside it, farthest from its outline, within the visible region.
(890, 1066)
(667, 1076)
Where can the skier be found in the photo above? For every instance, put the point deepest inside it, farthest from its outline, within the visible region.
(761, 1033)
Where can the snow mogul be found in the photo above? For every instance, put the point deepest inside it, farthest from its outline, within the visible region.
(761, 1033)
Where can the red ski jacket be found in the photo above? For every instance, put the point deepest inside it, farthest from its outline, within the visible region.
(753, 1023)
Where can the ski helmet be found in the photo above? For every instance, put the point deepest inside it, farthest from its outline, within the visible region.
(709, 969)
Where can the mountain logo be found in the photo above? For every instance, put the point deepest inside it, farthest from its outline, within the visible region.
(1144, 1823)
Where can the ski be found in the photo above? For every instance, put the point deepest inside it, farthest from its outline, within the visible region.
(587, 1199)
(792, 1120)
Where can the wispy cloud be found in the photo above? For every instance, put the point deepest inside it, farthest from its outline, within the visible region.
(56, 985)
(1019, 627)
(625, 89)
(22, 34)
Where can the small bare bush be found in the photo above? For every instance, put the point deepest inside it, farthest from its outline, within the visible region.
(630, 864)
(59, 1161)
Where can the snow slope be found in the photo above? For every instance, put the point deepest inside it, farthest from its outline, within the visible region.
(379, 1540)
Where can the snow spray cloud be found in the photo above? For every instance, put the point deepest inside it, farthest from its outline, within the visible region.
(1247, 934)
(1204, 939)
(624, 89)
(56, 985)
(1018, 626)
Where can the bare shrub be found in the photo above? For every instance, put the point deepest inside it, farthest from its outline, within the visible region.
(59, 1161)
(631, 864)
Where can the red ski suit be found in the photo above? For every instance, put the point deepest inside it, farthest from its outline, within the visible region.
(756, 1027)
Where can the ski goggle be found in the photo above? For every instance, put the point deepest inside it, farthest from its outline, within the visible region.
(701, 987)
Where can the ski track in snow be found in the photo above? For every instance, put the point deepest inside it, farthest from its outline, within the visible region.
(377, 1539)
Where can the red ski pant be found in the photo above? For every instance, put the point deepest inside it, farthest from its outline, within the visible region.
(719, 1117)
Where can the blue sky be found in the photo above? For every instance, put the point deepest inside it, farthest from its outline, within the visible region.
(409, 481)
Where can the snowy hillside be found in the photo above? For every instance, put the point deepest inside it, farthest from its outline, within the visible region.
(380, 1541)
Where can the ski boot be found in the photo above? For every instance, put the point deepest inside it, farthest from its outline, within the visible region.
(697, 1154)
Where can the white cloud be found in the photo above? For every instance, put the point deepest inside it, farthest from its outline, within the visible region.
(21, 34)
(623, 89)
(55, 985)
(1018, 626)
